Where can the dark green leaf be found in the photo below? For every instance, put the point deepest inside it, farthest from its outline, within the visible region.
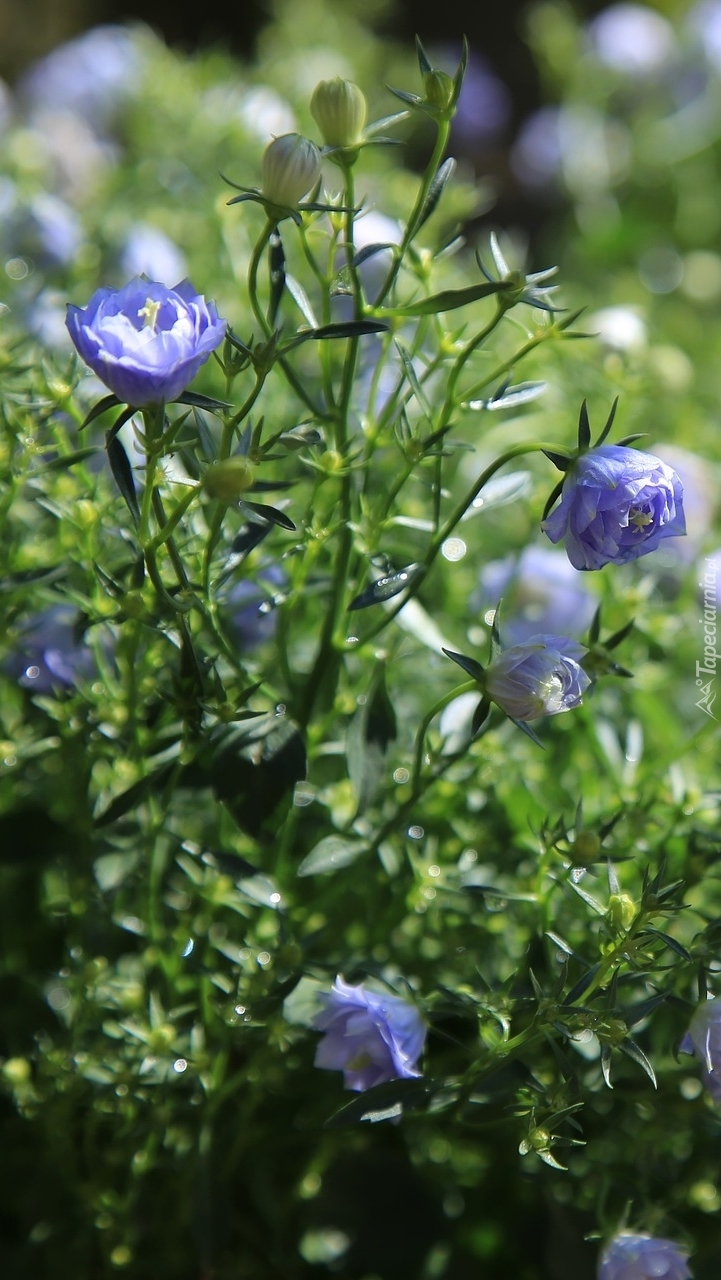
(423, 62)
(631, 1049)
(135, 795)
(107, 402)
(253, 768)
(444, 175)
(258, 511)
(609, 424)
(123, 475)
(201, 402)
(276, 267)
(449, 299)
(584, 429)
(68, 459)
(386, 588)
(301, 299)
(469, 665)
(409, 1094)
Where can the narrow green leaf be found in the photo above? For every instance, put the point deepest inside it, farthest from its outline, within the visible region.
(331, 854)
(448, 300)
(123, 476)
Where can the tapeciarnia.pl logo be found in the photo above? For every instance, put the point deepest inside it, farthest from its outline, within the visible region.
(707, 668)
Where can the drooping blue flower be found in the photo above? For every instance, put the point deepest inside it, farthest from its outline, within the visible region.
(642, 1257)
(370, 1037)
(539, 678)
(145, 341)
(704, 1039)
(616, 504)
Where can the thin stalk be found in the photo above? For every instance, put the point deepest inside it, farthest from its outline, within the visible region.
(444, 128)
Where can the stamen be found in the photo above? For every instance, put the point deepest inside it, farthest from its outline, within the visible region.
(149, 313)
(641, 519)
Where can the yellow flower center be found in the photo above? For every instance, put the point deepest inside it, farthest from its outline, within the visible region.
(149, 313)
(639, 518)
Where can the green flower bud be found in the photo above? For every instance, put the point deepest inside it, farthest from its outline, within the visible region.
(291, 167)
(228, 479)
(585, 848)
(439, 89)
(339, 110)
(621, 911)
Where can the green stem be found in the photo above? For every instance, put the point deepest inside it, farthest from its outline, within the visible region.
(467, 687)
(445, 531)
(444, 127)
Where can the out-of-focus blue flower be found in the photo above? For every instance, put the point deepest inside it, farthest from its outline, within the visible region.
(704, 1039)
(483, 108)
(641, 1257)
(369, 1037)
(617, 504)
(47, 230)
(539, 678)
(91, 76)
(251, 617)
(146, 342)
(541, 591)
(632, 39)
(149, 252)
(51, 652)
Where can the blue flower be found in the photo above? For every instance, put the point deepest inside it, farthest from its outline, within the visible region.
(641, 1257)
(704, 1039)
(539, 678)
(50, 652)
(616, 504)
(145, 341)
(371, 1038)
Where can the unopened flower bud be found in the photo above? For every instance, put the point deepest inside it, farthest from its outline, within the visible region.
(585, 848)
(228, 479)
(339, 110)
(621, 911)
(439, 89)
(291, 167)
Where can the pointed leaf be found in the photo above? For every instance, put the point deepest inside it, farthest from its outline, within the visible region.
(584, 428)
(480, 715)
(259, 511)
(435, 191)
(501, 265)
(423, 62)
(560, 458)
(202, 402)
(385, 588)
(370, 251)
(509, 397)
(408, 1093)
(330, 854)
(276, 267)
(525, 727)
(135, 795)
(469, 665)
(448, 300)
(631, 1049)
(412, 377)
(301, 299)
(102, 406)
(555, 493)
(609, 424)
(606, 1062)
(123, 476)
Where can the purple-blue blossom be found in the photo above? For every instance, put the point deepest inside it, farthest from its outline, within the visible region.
(146, 342)
(50, 652)
(616, 504)
(370, 1037)
(541, 677)
(631, 1256)
(704, 1039)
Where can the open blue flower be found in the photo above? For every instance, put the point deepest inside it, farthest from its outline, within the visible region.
(616, 504)
(370, 1037)
(145, 341)
(642, 1257)
(541, 677)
